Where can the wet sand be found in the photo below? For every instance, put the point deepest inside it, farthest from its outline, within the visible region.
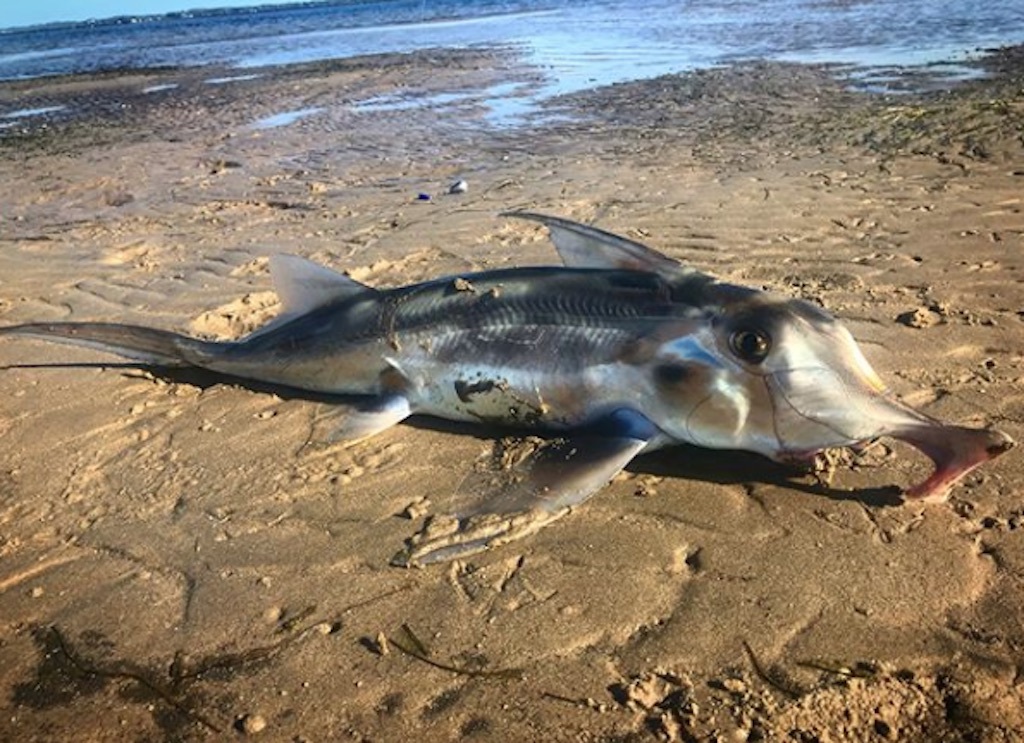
(176, 563)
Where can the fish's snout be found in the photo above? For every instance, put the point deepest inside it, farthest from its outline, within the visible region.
(955, 451)
(1001, 446)
(818, 408)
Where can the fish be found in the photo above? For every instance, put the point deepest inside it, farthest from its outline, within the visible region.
(619, 351)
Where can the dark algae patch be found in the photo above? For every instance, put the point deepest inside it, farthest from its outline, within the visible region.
(70, 671)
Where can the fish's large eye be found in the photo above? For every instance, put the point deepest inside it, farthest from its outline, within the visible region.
(750, 345)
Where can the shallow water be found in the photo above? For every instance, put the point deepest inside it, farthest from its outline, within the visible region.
(575, 45)
(24, 113)
(284, 118)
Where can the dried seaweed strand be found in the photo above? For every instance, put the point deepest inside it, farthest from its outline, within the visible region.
(562, 698)
(421, 648)
(576, 702)
(291, 622)
(835, 668)
(237, 660)
(503, 673)
(126, 674)
(788, 689)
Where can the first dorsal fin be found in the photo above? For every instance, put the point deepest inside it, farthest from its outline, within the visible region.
(581, 246)
(302, 285)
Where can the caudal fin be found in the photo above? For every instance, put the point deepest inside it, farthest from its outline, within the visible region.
(148, 345)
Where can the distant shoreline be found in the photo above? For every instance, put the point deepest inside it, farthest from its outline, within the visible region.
(73, 105)
(64, 109)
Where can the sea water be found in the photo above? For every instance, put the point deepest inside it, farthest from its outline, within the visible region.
(575, 44)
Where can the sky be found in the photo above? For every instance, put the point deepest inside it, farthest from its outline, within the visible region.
(33, 12)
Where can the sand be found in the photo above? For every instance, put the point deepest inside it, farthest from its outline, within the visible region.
(178, 562)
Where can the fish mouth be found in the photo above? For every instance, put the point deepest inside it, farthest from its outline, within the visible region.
(848, 414)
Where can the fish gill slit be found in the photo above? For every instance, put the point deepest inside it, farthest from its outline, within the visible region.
(693, 412)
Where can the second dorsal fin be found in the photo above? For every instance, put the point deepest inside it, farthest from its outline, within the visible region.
(302, 285)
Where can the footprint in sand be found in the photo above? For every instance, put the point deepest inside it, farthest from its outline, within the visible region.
(256, 267)
(321, 463)
(138, 255)
(921, 399)
(372, 461)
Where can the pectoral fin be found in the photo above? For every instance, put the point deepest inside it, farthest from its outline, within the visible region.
(523, 493)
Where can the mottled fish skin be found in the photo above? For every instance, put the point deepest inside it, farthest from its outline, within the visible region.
(620, 351)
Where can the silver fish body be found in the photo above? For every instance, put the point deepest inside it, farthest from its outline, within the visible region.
(620, 351)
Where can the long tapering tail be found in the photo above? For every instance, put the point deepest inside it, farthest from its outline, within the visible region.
(148, 345)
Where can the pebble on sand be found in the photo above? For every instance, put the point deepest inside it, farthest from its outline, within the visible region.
(919, 318)
(252, 724)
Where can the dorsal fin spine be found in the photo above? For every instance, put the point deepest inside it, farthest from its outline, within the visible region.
(582, 246)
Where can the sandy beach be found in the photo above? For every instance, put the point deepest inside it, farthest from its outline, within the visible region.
(179, 562)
